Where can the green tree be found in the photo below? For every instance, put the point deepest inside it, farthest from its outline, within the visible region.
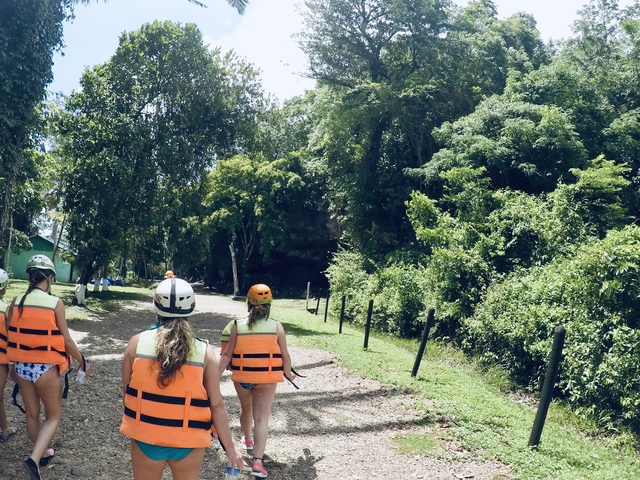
(392, 71)
(522, 146)
(247, 199)
(30, 33)
(143, 132)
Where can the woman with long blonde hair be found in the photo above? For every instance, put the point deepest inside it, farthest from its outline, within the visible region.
(172, 393)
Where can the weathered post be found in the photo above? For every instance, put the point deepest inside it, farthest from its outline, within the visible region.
(344, 299)
(547, 387)
(326, 307)
(368, 326)
(423, 342)
(306, 306)
(318, 302)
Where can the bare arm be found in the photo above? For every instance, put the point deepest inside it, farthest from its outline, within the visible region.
(69, 345)
(127, 363)
(286, 358)
(225, 357)
(218, 409)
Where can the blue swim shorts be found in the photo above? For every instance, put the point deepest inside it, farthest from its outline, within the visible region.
(161, 454)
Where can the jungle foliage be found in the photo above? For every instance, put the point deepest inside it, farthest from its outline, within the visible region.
(447, 158)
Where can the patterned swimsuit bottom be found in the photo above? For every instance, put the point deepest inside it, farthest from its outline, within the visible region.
(31, 372)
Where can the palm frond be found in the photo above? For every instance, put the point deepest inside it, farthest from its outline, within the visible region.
(239, 5)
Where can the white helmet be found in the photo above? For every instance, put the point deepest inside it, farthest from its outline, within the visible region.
(4, 279)
(174, 298)
(40, 262)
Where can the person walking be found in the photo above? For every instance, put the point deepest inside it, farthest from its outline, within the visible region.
(171, 392)
(6, 432)
(41, 348)
(258, 358)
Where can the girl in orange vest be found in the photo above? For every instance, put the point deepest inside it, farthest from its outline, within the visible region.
(258, 358)
(172, 392)
(40, 346)
(6, 432)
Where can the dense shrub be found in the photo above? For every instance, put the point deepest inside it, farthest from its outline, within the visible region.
(398, 292)
(348, 276)
(399, 300)
(595, 293)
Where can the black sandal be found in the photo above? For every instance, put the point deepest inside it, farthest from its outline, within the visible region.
(32, 469)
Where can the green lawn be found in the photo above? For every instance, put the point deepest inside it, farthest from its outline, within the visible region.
(96, 302)
(474, 407)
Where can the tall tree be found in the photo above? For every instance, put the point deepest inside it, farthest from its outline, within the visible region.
(30, 33)
(247, 198)
(393, 71)
(142, 133)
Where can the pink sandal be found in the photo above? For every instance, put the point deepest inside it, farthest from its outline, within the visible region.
(44, 461)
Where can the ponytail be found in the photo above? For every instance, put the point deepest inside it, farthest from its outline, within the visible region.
(35, 276)
(258, 312)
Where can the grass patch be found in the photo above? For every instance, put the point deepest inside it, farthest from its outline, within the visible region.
(96, 302)
(469, 405)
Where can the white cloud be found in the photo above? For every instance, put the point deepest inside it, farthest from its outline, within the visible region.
(264, 38)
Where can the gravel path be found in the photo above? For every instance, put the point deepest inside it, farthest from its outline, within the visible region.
(335, 426)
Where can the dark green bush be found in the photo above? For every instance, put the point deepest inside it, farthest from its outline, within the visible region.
(398, 292)
(595, 293)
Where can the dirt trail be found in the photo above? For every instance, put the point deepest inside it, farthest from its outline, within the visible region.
(335, 426)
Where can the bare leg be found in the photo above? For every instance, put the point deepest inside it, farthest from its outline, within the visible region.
(49, 391)
(32, 407)
(246, 410)
(263, 395)
(143, 467)
(4, 373)
(189, 467)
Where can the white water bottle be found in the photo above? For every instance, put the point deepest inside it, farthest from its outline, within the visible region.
(230, 474)
(82, 375)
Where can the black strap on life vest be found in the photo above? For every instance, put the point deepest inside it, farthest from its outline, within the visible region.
(14, 395)
(65, 391)
(154, 397)
(166, 422)
(297, 374)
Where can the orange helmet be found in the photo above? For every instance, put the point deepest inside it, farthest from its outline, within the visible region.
(259, 294)
(169, 274)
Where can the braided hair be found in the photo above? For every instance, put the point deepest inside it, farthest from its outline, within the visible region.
(36, 275)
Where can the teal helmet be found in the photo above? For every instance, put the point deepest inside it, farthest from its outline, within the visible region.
(41, 262)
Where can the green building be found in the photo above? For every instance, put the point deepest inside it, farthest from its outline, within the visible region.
(65, 271)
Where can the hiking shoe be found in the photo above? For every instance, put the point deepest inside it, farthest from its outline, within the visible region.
(247, 445)
(32, 469)
(257, 470)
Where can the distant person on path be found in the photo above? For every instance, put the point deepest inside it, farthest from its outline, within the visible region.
(258, 358)
(6, 432)
(41, 348)
(172, 393)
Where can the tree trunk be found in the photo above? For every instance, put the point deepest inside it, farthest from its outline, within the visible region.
(234, 266)
(105, 282)
(57, 240)
(7, 205)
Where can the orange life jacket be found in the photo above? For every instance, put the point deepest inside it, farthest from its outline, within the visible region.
(3, 334)
(178, 415)
(34, 335)
(257, 357)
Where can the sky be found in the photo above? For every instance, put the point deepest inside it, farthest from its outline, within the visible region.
(262, 35)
